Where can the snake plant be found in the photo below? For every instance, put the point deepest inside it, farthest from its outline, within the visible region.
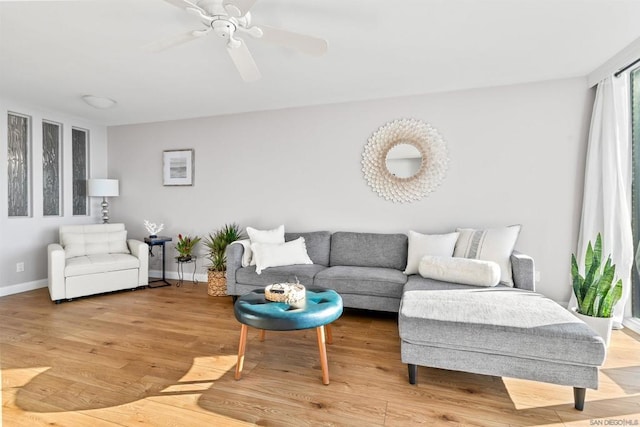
(595, 293)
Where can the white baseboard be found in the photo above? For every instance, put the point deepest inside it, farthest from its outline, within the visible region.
(37, 284)
(188, 275)
(22, 287)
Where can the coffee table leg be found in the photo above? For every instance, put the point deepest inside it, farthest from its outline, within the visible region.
(262, 334)
(323, 355)
(327, 331)
(241, 349)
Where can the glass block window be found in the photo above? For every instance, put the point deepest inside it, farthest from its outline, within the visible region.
(19, 165)
(80, 167)
(51, 168)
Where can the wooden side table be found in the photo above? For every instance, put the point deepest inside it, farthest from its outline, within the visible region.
(158, 241)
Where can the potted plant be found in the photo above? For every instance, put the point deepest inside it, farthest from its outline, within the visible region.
(595, 292)
(216, 244)
(185, 246)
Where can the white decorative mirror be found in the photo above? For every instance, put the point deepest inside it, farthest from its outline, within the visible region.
(405, 160)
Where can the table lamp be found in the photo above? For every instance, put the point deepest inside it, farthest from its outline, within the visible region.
(103, 188)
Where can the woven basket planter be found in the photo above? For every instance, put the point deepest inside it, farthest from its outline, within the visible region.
(217, 283)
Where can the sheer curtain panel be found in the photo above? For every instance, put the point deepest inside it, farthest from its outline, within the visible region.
(606, 204)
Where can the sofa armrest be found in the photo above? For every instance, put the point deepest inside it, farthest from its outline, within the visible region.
(234, 254)
(524, 271)
(56, 262)
(140, 250)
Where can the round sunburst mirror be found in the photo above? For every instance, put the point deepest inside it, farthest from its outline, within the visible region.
(405, 160)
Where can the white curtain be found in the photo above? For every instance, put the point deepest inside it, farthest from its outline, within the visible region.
(606, 204)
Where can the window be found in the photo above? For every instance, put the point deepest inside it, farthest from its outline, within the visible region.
(19, 165)
(51, 168)
(80, 166)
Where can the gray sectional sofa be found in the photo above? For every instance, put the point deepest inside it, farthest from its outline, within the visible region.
(366, 269)
(498, 331)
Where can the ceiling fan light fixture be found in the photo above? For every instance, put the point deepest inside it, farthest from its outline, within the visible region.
(99, 102)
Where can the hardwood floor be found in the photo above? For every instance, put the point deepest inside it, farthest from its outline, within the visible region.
(166, 357)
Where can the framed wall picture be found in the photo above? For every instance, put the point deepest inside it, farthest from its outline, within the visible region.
(177, 167)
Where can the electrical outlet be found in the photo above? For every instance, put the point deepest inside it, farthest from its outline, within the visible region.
(537, 277)
(20, 267)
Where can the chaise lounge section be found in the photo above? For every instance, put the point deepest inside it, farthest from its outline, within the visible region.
(500, 332)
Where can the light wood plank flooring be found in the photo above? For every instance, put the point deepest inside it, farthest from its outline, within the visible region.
(166, 357)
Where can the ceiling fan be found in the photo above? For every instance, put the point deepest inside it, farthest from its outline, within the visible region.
(229, 19)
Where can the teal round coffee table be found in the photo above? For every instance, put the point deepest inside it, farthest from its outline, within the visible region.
(321, 308)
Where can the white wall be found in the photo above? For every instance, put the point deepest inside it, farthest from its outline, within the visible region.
(26, 239)
(517, 156)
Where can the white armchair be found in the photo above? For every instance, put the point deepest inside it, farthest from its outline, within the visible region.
(97, 258)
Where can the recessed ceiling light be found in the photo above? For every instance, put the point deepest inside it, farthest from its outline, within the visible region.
(99, 102)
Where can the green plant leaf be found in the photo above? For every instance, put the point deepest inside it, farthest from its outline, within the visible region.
(586, 307)
(578, 280)
(602, 287)
(588, 258)
(610, 301)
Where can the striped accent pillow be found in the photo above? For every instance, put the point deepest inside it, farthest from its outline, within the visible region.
(492, 244)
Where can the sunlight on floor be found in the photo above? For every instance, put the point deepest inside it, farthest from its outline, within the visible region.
(203, 373)
(20, 377)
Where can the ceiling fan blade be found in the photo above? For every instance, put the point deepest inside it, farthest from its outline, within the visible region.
(244, 62)
(170, 42)
(238, 8)
(182, 4)
(303, 43)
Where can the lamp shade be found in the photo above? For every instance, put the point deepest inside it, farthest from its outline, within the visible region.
(103, 188)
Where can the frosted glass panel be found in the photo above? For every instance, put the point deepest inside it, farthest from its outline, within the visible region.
(79, 142)
(51, 168)
(18, 147)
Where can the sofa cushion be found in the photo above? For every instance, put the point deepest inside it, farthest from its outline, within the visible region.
(289, 273)
(108, 242)
(369, 250)
(428, 244)
(318, 245)
(493, 244)
(417, 283)
(504, 321)
(99, 263)
(386, 282)
(275, 235)
(460, 270)
(280, 254)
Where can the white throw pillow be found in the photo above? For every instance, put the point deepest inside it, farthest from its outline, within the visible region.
(460, 270)
(276, 255)
(265, 236)
(493, 244)
(428, 244)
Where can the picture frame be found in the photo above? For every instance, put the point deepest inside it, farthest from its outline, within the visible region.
(177, 167)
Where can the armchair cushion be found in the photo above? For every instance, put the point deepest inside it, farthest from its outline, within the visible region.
(99, 263)
(81, 244)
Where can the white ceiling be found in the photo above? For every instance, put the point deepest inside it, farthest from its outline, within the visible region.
(53, 52)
